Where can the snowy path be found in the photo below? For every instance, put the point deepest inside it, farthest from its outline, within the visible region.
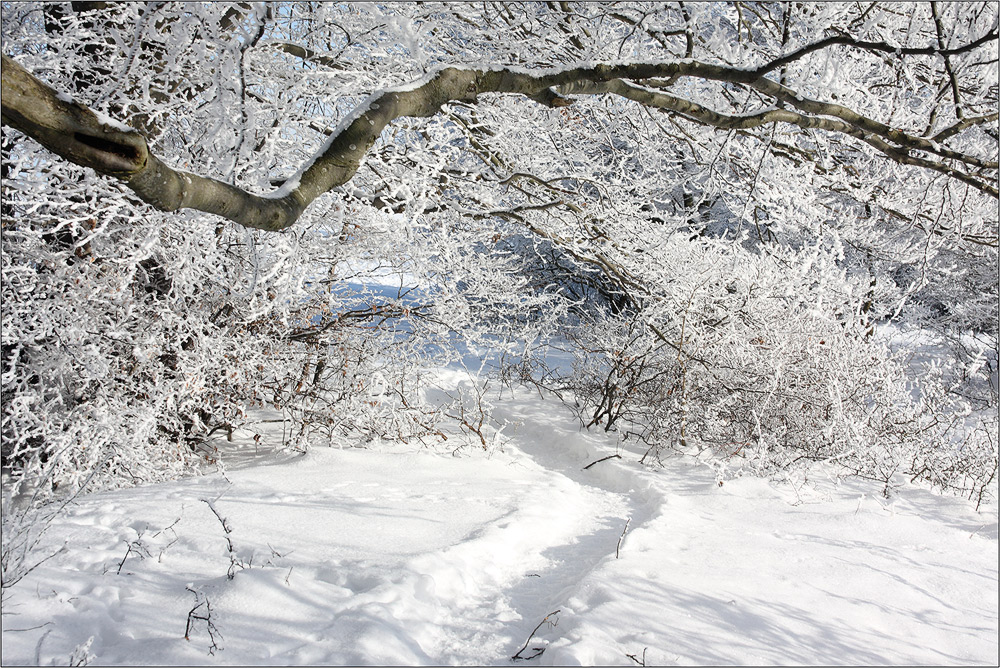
(411, 557)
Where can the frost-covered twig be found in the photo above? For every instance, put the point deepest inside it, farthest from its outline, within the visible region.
(81, 655)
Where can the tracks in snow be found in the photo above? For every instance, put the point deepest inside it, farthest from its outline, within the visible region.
(528, 563)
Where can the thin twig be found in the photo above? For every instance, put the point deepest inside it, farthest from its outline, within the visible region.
(601, 460)
(622, 537)
(538, 650)
(31, 628)
(202, 600)
(225, 524)
(643, 661)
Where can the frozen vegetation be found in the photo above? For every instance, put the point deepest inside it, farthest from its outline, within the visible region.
(499, 332)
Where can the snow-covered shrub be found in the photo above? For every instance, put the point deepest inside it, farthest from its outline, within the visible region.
(117, 359)
(773, 363)
(725, 249)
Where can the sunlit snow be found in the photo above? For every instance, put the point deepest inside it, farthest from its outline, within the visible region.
(443, 554)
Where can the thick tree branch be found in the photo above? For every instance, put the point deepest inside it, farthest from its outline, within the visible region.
(66, 128)
(864, 123)
(77, 134)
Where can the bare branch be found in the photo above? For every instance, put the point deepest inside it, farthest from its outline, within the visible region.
(305, 54)
(953, 130)
(862, 128)
(847, 40)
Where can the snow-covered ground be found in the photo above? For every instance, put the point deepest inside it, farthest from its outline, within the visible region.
(409, 555)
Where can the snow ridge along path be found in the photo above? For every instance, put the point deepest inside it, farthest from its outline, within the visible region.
(403, 556)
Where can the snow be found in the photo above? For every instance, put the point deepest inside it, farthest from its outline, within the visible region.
(107, 121)
(402, 555)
